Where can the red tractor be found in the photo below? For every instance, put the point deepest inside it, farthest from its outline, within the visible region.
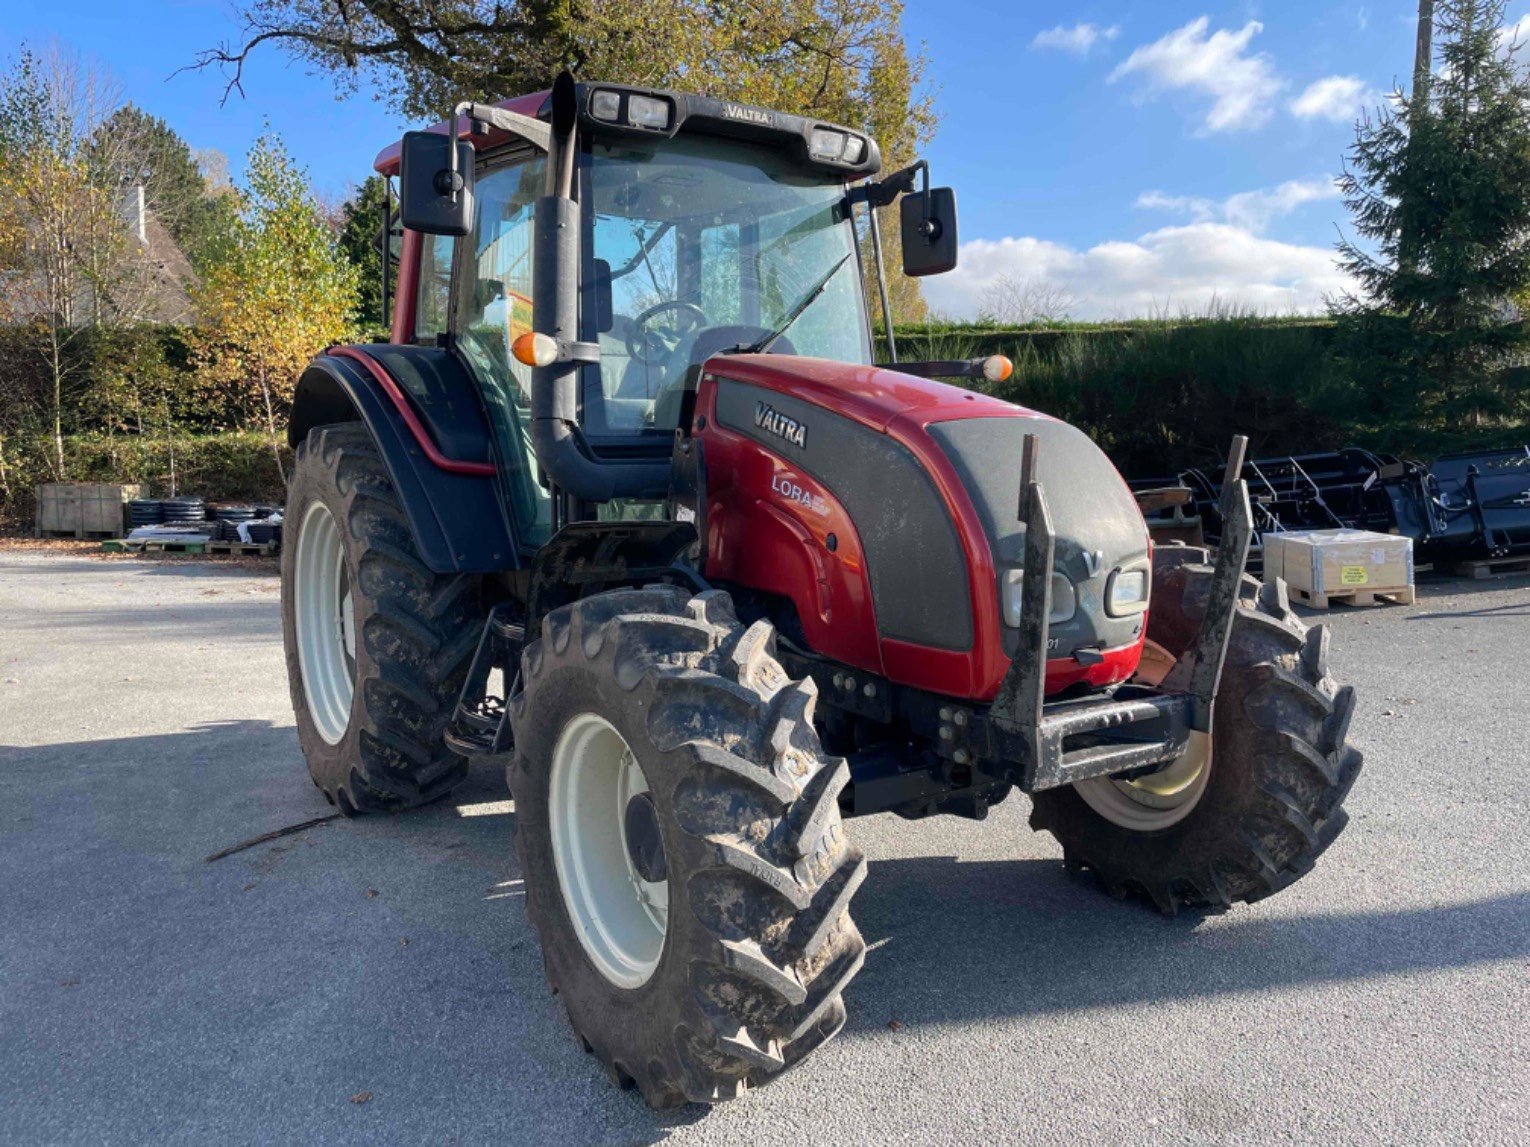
(626, 502)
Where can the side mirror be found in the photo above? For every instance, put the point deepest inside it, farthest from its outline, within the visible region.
(430, 198)
(928, 221)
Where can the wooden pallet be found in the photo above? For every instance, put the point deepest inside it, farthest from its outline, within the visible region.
(243, 549)
(1358, 597)
(1490, 566)
(152, 546)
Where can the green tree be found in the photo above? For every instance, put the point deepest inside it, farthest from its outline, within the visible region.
(278, 292)
(361, 219)
(24, 99)
(1437, 188)
(841, 60)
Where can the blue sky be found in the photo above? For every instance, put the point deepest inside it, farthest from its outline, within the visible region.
(1139, 155)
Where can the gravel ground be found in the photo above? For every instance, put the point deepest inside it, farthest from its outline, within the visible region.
(375, 980)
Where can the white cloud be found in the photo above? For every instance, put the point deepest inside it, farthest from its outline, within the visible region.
(1335, 98)
(1242, 85)
(1078, 39)
(1249, 210)
(1514, 38)
(1171, 270)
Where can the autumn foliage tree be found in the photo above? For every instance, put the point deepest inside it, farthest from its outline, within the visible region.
(277, 292)
(68, 265)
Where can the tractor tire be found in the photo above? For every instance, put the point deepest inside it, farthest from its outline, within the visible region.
(1270, 802)
(374, 703)
(741, 974)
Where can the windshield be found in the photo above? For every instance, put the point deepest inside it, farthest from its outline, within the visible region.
(697, 245)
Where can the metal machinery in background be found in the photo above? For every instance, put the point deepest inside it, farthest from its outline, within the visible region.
(1471, 506)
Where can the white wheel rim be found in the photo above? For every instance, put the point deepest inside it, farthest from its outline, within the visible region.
(621, 918)
(1159, 800)
(324, 613)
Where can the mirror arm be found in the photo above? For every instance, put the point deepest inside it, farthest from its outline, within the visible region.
(533, 131)
(876, 254)
(454, 176)
(929, 228)
(885, 192)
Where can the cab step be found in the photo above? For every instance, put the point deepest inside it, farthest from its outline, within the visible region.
(480, 725)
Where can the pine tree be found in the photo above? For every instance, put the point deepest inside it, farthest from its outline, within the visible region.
(1439, 187)
(361, 223)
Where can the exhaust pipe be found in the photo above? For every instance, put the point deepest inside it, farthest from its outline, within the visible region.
(560, 449)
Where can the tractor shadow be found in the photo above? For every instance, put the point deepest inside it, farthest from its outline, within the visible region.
(955, 941)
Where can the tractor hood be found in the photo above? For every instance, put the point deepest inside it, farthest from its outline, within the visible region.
(870, 395)
(929, 477)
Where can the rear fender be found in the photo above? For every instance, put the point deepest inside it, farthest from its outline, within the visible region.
(455, 510)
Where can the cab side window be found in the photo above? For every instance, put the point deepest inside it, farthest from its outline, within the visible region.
(494, 299)
(433, 302)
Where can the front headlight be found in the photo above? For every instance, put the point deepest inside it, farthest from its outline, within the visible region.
(646, 111)
(826, 143)
(606, 106)
(1064, 599)
(1127, 593)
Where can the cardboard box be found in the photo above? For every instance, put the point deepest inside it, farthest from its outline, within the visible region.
(1324, 562)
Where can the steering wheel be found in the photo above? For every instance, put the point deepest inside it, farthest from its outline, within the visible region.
(637, 337)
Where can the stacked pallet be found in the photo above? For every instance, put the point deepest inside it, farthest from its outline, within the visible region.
(1350, 567)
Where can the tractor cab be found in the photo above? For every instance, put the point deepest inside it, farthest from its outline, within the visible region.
(704, 246)
(686, 227)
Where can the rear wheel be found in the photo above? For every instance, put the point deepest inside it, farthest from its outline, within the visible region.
(680, 839)
(1247, 811)
(377, 645)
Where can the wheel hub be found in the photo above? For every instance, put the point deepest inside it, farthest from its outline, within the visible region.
(608, 849)
(347, 620)
(645, 848)
(324, 617)
(1159, 799)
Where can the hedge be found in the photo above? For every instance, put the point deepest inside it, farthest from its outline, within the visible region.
(1157, 395)
(1161, 396)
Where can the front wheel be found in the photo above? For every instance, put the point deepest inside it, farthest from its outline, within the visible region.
(679, 835)
(1246, 812)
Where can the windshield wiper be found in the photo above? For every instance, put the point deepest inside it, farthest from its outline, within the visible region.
(795, 313)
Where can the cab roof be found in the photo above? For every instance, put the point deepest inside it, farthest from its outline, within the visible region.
(797, 136)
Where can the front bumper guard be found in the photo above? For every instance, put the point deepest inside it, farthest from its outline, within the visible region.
(1047, 746)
